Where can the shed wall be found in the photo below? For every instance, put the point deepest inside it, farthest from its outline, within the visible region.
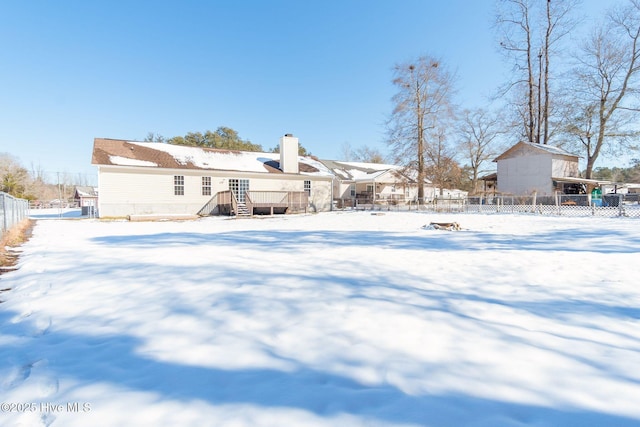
(525, 174)
(564, 168)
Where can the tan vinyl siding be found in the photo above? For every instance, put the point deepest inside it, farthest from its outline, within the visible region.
(138, 191)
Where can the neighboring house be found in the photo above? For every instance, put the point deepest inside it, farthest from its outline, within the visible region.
(149, 178)
(621, 188)
(527, 167)
(86, 196)
(374, 182)
(489, 183)
(633, 188)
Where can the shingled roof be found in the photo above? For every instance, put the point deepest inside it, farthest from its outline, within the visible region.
(116, 152)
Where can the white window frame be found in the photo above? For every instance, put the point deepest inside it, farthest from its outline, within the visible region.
(206, 186)
(178, 185)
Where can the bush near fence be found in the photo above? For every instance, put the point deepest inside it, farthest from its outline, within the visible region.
(12, 211)
(611, 205)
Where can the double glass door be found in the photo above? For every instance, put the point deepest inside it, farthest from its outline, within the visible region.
(239, 188)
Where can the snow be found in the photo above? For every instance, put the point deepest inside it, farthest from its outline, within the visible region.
(246, 161)
(334, 319)
(359, 171)
(125, 161)
(210, 159)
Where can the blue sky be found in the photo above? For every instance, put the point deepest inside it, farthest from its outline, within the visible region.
(72, 70)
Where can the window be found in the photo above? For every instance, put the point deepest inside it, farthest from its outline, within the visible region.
(178, 185)
(206, 185)
(352, 190)
(307, 187)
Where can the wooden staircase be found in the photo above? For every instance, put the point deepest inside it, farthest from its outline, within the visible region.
(242, 209)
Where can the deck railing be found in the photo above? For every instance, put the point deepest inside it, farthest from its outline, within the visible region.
(226, 203)
(289, 200)
(298, 200)
(222, 203)
(210, 207)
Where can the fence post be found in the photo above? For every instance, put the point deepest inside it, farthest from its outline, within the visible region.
(620, 205)
(535, 195)
(5, 219)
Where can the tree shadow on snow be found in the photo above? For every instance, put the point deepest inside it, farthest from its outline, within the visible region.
(120, 361)
(604, 241)
(116, 360)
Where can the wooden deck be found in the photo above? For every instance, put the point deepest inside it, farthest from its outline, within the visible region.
(225, 203)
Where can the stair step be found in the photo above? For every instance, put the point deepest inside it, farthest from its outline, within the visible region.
(242, 210)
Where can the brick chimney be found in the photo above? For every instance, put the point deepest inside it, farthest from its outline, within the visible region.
(289, 154)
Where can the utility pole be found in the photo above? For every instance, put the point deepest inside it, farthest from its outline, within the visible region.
(59, 197)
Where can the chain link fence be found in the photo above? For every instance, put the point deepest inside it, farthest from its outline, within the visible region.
(12, 211)
(608, 205)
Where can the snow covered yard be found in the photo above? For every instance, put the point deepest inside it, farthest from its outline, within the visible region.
(336, 319)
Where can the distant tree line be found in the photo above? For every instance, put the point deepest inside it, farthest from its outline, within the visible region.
(32, 184)
(617, 174)
(223, 138)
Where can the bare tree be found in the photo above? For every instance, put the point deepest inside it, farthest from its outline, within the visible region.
(424, 99)
(514, 21)
(606, 85)
(478, 131)
(363, 154)
(368, 155)
(154, 137)
(442, 169)
(530, 36)
(346, 152)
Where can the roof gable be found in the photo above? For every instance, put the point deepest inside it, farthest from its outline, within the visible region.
(524, 148)
(84, 191)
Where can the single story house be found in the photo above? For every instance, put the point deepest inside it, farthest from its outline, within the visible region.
(151, 178)
(633, 188)
(86, 198)
(621, 188)
(528, 167)
(374, 182)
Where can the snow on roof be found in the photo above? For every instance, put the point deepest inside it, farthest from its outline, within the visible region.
(551, 149)
(161, 155)
(124, 161)
(245, 161)
(373, 166)
(358, 171)
(84, 191)
(530, 146)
